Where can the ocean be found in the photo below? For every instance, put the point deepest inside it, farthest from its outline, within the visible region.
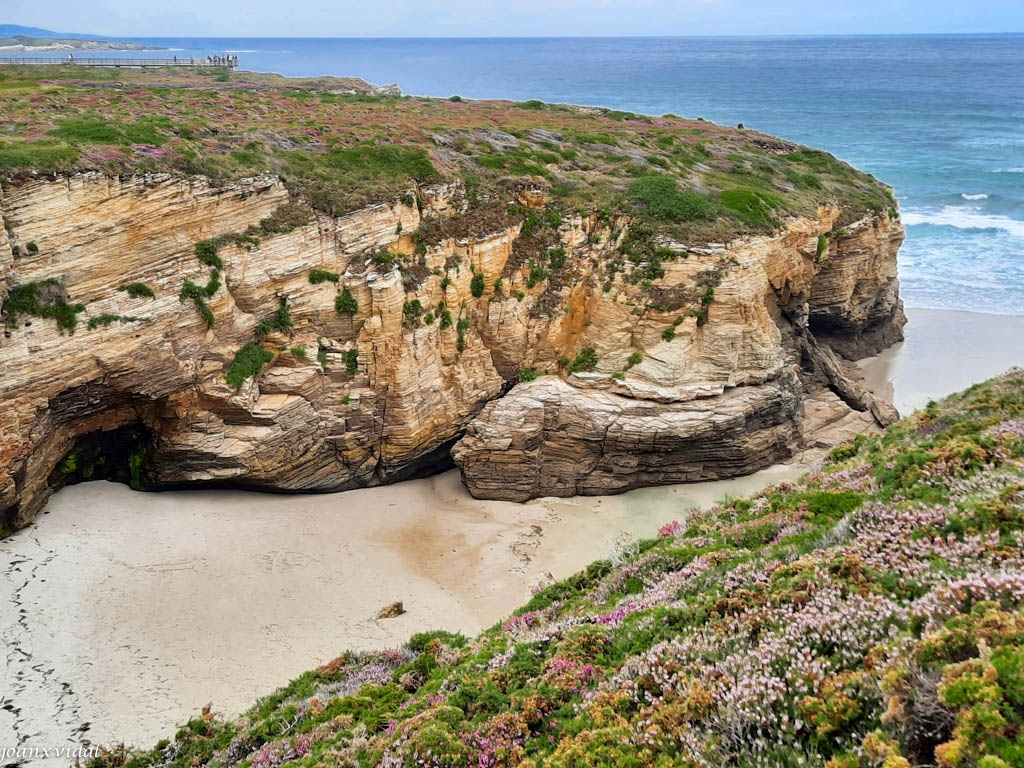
(941, 118)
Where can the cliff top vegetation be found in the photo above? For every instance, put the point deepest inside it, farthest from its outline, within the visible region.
(345, 150)
(869, 615)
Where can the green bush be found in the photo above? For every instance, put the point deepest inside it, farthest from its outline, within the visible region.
(822, 246)
(669, 333)
(137, 290)
(635, 358)
(476, 285)
(206, 252)
(585, 360)
(537, 273)
(317, 276)
(248, 362)
(31, 247)
(298, 351)
(46, 298)
(527, 374)
(351, 361)
(446, 319)
(659, 195)
(557, 257)
(412, 310)
(280, 321)
(345, 303)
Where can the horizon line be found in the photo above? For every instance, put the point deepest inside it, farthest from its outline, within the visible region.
(749, 35)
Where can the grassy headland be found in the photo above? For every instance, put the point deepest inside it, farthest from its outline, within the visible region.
(344, 151)
(869, 615)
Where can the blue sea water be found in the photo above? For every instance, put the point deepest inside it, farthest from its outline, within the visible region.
(941, 118)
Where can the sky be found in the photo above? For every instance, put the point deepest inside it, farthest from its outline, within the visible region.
(431, 18)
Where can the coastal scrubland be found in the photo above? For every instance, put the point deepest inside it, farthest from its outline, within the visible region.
(342, 150)
(868, 615)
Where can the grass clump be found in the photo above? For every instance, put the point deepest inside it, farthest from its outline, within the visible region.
(45, 298)
(137, 290)
(528, 374)
(198, 294)
(755, 208)
(206, 252)
(317, 276)
(585, 360)
(249, 361)
(107, 319)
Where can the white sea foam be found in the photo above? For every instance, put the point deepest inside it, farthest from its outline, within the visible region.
(963, 218)
(965, 196)
(1009, 170)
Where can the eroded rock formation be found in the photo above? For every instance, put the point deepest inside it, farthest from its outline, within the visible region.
(382, 393)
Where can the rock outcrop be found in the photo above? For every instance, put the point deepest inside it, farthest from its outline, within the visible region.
(433, 353)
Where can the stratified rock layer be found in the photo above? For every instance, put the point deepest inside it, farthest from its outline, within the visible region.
(380, 395)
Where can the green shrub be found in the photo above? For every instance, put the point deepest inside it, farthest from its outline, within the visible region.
(248, 362)
(557, 255)
(345, 303)
(317, 276)
(137, 290)
(659, 195)
(351, 357)
(199, 293)
(537, 273)
(669, 333)
(635, 358)
(476, 285)
(412, 310)
(206, 252)
(46, 298)
(446, 319)
(429, 318)
(499, 285)
(822, 246)
(585, 360)
(298, 351)
(280, 321)
(527, 374)
(31, 247)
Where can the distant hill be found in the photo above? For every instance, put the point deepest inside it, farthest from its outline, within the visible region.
(12, 30)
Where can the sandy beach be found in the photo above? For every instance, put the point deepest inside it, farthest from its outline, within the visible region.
(124, 613)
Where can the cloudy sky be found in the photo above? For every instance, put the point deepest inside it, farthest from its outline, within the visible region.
(426, 18)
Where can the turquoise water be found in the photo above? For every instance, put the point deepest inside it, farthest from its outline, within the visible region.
(941, 118)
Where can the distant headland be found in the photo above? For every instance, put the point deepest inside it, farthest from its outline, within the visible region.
(18, 39)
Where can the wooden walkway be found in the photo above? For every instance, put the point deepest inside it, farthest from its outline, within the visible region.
(223, 62)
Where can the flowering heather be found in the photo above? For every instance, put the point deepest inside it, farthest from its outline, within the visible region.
(870, 615)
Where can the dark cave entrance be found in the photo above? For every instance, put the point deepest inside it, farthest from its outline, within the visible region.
(121, 455)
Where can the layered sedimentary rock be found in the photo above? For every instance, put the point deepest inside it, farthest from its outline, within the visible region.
(382, 393)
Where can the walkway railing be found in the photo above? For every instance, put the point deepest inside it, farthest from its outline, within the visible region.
(220, 62)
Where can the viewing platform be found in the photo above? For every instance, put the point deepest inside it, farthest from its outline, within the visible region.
(212, 62)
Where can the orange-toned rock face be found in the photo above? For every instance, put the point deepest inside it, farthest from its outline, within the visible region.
(381, 393)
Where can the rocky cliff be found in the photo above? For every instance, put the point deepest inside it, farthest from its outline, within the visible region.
(378, 394)
(170, 330)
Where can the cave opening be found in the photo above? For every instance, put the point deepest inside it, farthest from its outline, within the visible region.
(120, 455)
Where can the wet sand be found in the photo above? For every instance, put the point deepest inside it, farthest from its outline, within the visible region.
(944, 352)
(123, 613)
